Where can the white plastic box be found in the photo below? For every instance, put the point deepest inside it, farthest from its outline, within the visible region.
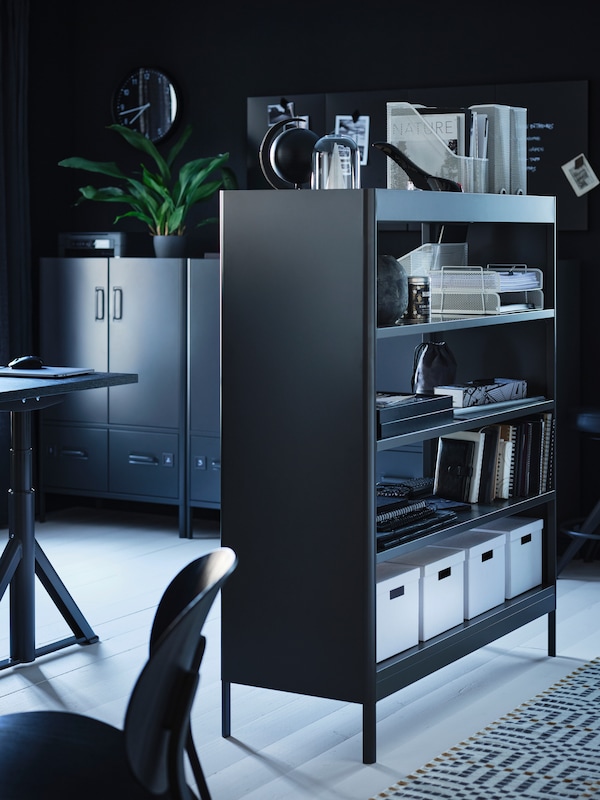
(485, 569)
(523, 551)
(397, 609)
(441, 587)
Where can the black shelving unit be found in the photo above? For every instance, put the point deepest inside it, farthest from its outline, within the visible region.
(300, 350)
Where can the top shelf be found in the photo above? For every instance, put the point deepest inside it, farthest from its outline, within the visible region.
(394, 206)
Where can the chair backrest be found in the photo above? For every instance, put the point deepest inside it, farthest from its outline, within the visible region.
(157, 718)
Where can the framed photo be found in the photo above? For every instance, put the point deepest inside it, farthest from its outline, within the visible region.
(278, 112)
(580, 175)
(358, 129)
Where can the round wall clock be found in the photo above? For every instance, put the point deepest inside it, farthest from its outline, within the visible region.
(147, 101)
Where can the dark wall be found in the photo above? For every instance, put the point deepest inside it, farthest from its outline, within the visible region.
(220, 56)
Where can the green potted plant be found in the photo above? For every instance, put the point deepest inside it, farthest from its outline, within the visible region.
(161, 199)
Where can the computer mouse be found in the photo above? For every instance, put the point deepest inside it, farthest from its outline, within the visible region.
(26, 362)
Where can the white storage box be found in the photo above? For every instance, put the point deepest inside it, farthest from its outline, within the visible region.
(441, 587)
(485, 569)
(523, 551)
(397, 608)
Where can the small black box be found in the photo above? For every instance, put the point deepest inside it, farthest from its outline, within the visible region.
(92, 244)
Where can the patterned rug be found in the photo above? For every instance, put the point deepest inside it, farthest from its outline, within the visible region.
(547, 748)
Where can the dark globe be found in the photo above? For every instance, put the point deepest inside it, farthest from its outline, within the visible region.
(291, 155)
(392, 290)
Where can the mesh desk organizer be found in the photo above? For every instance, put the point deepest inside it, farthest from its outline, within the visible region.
(494, 289)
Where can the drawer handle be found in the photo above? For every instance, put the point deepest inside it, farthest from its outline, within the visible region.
(444, 573)
(68, 453)
(136, 458)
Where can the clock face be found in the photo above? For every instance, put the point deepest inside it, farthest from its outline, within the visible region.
(147, 102)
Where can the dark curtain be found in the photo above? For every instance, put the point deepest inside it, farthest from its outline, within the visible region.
(15, 238)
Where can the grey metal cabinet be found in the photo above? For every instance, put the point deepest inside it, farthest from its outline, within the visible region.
(301, 362)
(204, 397)
(119, 315)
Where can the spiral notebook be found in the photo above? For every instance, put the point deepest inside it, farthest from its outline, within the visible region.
(400, 521)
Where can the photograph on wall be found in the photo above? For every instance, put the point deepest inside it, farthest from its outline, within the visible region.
(356, 128)
(277, 112)
(580, 175)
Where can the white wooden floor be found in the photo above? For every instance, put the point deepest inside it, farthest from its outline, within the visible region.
(284, 747)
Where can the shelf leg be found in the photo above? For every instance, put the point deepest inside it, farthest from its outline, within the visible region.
(225, 709)
(552, 633)
(369, 733)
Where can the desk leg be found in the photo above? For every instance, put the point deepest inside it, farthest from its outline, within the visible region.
(23, 559)
(21, 529)
(62, 599)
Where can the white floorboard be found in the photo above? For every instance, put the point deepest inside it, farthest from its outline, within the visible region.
(284, 747)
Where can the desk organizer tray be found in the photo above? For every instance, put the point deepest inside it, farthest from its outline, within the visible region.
(485, 290)
(409, 130)
(433, 256)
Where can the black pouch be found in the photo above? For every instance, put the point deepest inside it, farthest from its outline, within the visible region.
(434, 365)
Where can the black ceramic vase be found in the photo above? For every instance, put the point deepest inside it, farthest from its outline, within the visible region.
(392, 290)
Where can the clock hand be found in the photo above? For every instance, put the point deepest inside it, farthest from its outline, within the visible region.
(139, 109)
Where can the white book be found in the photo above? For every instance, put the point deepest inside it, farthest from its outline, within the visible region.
(503, 468)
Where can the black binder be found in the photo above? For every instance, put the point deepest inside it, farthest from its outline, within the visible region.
(454, 468)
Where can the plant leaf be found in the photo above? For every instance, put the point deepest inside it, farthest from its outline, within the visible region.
(154, 197)
(103, 167)
(144, 145)
(177, 147)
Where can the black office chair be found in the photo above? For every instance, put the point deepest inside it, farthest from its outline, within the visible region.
(583, 530)
(47, 755)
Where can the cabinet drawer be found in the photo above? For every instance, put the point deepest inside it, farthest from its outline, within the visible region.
(74, 458)
(144, 463)
(205, 469)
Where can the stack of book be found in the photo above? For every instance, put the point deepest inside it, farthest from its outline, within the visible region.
(404, 413)
(512, 459)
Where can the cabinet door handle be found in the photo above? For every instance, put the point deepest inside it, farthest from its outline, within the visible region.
(137, 458)
(118, 302)
(99, 302)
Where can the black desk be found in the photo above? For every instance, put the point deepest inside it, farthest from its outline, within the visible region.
(23, 558)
